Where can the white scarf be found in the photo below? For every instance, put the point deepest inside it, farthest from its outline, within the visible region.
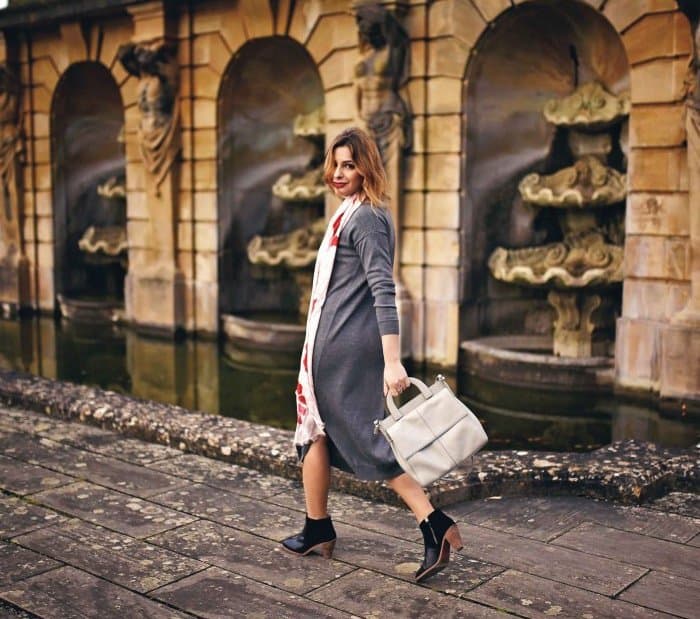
(309, 423)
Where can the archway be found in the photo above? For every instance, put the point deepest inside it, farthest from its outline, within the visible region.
(534, 52)
(268, 84)
(88, 190)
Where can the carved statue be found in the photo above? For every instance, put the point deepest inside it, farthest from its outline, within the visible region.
(156, 68)
(295, 249)
(590, 106)
(380, 75)
(10, 151)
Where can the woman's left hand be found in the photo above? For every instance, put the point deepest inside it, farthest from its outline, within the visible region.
(395, 378)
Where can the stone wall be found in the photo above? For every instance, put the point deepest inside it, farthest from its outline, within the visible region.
(444, 34)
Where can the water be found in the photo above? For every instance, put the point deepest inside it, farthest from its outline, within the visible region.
(196, 374)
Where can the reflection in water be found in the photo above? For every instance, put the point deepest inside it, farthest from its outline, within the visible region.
(196, 375)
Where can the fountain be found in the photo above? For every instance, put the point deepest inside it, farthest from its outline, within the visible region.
(295, 252)
(105, 248)
(582, 270)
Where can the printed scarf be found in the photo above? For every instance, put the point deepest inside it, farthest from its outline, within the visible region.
(309, 423)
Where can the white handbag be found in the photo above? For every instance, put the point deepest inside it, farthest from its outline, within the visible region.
(432, 433)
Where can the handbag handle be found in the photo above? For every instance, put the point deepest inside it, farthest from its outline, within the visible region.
(391, 406)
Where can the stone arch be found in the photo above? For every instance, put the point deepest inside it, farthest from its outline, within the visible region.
(268, 83)
(50, 54)
(86, 122)
(656, 75)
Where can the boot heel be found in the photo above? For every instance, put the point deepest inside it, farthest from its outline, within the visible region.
(453, 536)
(327, 549)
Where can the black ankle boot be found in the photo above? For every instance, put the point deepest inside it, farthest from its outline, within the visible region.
(316, 535)
(439, 534)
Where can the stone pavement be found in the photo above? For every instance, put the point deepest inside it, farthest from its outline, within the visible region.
(93, 524)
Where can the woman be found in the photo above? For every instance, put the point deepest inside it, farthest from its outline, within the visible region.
(351, 359)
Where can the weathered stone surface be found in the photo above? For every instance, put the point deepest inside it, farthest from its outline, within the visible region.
(112, 556)
(53, 593)
(271, 521)
(229, 477)
(633, 548)
(628, 471)
(18, 516)
(251, 556)
(18, 563)
(99, 469)
(368, 594)
(657, 36)
(669, 594)
(216, 593)
(529, 596)
(113, 510)
(22, 478)
(572, 567)
(684, 503)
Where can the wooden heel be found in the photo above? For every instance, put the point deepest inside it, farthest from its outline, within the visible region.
(453, 536)
(327, 549)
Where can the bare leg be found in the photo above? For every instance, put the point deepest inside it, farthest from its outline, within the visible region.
(412, 494)
(316, 475)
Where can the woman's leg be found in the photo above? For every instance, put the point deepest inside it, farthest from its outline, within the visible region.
(316, 475)
(412, 494)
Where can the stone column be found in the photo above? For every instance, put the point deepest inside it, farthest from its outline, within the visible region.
(14, 265)
(154, 285)
(680, 341)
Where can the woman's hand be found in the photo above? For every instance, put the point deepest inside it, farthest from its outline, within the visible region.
(395, 378)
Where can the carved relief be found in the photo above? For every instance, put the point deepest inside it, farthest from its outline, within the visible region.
(590, 106)
(586, 183)
(295, 250)
(156, 68)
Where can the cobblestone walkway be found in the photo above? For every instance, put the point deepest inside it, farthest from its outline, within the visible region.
(96, 525)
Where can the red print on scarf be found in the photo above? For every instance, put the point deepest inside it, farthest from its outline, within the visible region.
(302, 409)
(336, 224)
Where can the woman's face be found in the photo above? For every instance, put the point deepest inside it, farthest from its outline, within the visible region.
(346, 179)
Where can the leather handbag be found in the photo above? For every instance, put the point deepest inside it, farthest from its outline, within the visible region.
(432, 433)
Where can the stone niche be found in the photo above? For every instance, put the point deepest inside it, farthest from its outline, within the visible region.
(510, 81)
(268, 84)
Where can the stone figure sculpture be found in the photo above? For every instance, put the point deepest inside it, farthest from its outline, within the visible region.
(10, 151)
(380, 76)
(156, 68)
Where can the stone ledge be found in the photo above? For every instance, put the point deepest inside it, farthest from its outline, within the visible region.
(626, 471)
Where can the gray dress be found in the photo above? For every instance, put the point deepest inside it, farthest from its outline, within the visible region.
(348, 363)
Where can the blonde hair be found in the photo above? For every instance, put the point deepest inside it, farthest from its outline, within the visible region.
(366, 157)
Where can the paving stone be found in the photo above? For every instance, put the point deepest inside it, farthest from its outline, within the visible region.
(530, 596)
(684, 503)
(673, 527)
(540, 519)
(353, 510)
(17, 563)
(665, 592)
(271, 521)
(10, 611)
(368, 594)
(565, 565)
(102, 470)
(115, 557)
(111, 444)
(114, 510)
(19, 420)
(23, 478)
(69, 593)
(215, 593)
(252, 556)
(695, 541)
(229, 477)
(17, 517)
(401, 559)
(632, 548)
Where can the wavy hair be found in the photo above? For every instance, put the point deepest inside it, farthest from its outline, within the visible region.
(366, 157)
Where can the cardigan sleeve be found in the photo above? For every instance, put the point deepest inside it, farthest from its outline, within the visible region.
(372, 239)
